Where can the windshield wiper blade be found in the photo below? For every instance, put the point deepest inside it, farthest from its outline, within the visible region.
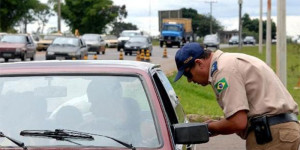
(58, 134)
(121, 142)
(20, 144)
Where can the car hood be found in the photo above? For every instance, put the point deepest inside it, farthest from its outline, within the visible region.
(123, 38)
(62, 49)
(12, 45)
(45, 41)
(170, 33)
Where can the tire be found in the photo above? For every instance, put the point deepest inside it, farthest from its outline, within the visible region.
(103, 52)
(98, 52)
(24, 57)
(125, 53)
(32, 58)
(161, 44)
(130, 53)
(5, 59)
(119, 49)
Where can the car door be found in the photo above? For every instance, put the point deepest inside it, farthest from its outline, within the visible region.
(83, 48)
(173, 109)
(31, 47)
(102, 43)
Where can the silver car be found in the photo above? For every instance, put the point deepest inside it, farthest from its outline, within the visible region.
(211, 40)
(95, 43)
(67, 48)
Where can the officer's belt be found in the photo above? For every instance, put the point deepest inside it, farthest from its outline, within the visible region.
(281, 118)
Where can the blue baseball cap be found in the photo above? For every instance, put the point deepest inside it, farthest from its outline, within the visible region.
(186, 56)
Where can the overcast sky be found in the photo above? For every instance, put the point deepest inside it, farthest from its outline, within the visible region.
(144, 13)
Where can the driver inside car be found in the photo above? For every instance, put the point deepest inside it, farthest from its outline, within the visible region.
(112, 114)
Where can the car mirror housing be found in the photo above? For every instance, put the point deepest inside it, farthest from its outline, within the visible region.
(191, 133)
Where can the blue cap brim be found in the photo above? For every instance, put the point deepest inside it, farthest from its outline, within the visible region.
(179, 75)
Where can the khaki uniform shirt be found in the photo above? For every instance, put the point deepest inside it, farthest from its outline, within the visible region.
(244, 82)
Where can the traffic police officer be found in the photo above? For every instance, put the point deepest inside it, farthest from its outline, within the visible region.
(255, 103)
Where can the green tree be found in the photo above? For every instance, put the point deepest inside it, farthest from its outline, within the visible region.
(42, 13)
(90, 16)
(12, 11)
(201, 23)
(251, 27)
(118, 27)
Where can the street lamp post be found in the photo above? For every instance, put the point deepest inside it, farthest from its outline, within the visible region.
(240, 23)
(58, 16)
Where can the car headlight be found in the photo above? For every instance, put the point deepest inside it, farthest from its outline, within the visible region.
(50, 53)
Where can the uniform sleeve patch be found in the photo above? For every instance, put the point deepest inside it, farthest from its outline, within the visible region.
(214, 68)
(221, 85)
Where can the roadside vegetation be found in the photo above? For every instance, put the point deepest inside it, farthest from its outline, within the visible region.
(202, 101)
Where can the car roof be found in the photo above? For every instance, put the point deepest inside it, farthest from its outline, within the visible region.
(78, 66)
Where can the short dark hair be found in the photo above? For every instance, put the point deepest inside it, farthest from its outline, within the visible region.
(205, 55)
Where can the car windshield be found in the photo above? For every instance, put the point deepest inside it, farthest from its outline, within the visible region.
(234, 38)
(210, 37)
(249, 38)
(51, 37)
(114, 106)
(90, 37)
(171, 28)
(128, 34)
(138, 39)
(14, 39)
(66, 41)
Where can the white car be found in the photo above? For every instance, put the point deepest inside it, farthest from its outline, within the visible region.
(211, 40)
(125, 36)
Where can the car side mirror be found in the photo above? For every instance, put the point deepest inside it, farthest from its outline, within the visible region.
(191, 133)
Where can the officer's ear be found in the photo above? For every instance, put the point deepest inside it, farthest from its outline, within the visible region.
(199, 62)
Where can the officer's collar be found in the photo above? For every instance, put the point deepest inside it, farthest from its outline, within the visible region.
(214, 64)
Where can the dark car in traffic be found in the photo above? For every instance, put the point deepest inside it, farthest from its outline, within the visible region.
(138, 43)
(249, 40)
(233, 40)
(89, 104)
(67, 48)
(95, 43)
(14, 46)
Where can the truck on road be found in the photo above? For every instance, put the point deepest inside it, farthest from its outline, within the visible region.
(176, 31)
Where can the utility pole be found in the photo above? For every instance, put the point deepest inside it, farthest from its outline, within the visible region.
(240, 23)
(281, 41)
(211, 2)
(260, 27)
(150, 18)
(268, 43)
(58, 16)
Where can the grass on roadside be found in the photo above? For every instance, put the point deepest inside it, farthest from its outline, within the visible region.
(202, 100)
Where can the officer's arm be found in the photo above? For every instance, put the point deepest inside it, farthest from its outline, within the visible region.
(234, 124)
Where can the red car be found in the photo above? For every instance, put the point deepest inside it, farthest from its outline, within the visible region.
(92, 105)
(17, 46)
